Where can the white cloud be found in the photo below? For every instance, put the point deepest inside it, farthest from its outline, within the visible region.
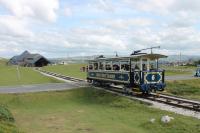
(105, 5)
(159, 6)
(13, 26)
(37, 9)
(125, 23)
(67, 12)
(99, 39)
(103, 27)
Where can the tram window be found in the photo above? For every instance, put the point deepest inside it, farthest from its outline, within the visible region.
(144, 64)
(116, 66)
(135, 65)
(101, 66)
(144, 67)
(90, 67)
(152, 65)
(125, 66)
(108, 66)
(95, 66)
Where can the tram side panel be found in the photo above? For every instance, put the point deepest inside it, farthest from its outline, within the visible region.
(111, 77)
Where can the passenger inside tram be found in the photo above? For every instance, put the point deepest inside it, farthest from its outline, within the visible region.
(144, 67)
(90, 67)
(136, 67)
(101, 66)
(108, 66)
(116, 67)
(95, 66)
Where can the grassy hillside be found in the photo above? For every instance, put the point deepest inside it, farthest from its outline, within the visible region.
(88, 110)
(69, 70)
(186, 88)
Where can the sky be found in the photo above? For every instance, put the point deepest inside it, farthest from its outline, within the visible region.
(66, 28)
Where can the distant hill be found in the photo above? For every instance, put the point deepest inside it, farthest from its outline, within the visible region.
(3, 61)
(171, 58)
(174, 58)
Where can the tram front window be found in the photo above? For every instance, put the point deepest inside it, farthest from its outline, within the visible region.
(144, 64)
(144, 67)
(152, 65)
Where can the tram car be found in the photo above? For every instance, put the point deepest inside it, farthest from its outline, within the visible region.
(197, 73)
(135, 72)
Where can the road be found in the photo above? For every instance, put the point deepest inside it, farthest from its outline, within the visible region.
(180, 77)
(38, 87)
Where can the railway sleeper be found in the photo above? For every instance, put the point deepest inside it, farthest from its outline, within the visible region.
(196, 106)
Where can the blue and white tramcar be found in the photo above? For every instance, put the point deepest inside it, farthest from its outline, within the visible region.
(136, 71)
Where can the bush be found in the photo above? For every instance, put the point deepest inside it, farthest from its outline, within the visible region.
(5, 114)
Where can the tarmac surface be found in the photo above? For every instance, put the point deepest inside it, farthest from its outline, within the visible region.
(38, 87)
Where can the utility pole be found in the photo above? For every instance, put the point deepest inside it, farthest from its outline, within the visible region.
(180, 59)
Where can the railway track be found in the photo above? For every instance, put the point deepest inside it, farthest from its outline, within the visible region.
(175, 101)
(61, 76)
(164, 98)
(158, 97)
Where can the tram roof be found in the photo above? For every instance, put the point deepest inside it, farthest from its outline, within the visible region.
(139, 56)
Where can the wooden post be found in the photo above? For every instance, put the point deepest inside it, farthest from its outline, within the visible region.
(18, 73)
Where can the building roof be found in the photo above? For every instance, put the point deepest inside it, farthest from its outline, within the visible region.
(26, 57)
(33, 58)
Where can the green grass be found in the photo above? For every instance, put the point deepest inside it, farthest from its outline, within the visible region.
(88, 110)
(179, 70)
(186, 88)
(72, 70)
(9, 76)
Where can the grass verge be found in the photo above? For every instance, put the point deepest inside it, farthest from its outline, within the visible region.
(186, 88)
(87, 110)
